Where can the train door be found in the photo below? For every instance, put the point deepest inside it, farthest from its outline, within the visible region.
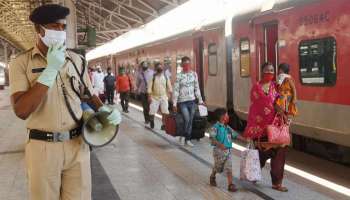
(270, 45)
(271, 38)
(198, 62)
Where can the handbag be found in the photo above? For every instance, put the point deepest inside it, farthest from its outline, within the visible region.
(250, 169)
(278, 131)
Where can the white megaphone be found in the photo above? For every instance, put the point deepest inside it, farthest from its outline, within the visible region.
(97, 131)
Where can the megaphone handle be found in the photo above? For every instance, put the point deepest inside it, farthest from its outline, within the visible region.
(95, 102)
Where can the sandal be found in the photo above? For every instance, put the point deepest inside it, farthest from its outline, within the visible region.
(212, 181)
(280, 188)
(232, 188)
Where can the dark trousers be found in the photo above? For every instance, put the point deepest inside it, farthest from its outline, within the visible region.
(124, 100)
(278, 160)
(187, 110)
(110, 94)
(145, 105)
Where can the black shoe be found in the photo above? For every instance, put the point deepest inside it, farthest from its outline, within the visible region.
(126, 111)
(162, 127)
(147, 122)
(152, 124)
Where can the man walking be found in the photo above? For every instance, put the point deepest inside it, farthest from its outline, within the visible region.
(143, 78)
(124, 86)
(109, 82)
(158, 90)
(186, 90)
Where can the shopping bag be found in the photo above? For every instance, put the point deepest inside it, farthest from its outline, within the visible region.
(250, 165)
(278, 131)
(203, 111)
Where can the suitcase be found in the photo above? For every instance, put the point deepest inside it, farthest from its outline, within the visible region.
(199, 126)
(102, 97)
(174, 124)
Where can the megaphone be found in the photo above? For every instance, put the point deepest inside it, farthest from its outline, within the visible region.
(97, 131)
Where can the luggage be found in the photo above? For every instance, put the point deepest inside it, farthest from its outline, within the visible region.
(174, 124)
(198, 127)
(102, 96)
(250, 165)
(278, 131)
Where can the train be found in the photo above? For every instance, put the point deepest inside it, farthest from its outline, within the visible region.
(312, 36)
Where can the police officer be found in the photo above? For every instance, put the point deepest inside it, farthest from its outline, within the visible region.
(45, 83)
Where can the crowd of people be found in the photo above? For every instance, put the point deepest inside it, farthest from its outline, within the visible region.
(270, 97)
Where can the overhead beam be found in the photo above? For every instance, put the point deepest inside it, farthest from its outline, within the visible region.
(130, 4)
(170, 2)
(148, 6)
(113, 13)
(121, 6)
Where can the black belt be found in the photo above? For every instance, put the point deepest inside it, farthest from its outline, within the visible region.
(54, 136)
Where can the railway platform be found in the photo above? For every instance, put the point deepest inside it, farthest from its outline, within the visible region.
(142, 163)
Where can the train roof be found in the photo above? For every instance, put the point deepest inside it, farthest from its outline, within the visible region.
(164, 29)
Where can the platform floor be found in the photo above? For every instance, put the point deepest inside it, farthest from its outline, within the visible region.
(148, 164)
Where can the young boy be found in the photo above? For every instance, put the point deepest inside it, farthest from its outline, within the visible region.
(221, 136)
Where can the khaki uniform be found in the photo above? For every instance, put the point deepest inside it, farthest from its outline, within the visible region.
(58, 170)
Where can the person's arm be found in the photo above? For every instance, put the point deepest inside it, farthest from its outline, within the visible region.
(169, 86)
(197, 90)
(26, 100)
(294, 91)
(212, 137)
(176, 91)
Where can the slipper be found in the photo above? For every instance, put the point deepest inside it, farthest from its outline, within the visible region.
(280, 188)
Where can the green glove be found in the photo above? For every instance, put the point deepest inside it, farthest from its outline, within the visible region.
(55, 60)
(114, 116)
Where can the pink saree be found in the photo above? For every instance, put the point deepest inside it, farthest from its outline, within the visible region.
(261, 111)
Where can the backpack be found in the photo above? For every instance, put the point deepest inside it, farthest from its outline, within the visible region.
(154, 78)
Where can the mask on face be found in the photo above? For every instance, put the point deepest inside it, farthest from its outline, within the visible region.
(186, 67)
(281, 78)
(267, 77)
(53, 37)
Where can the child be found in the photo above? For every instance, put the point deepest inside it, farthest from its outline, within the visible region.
(221, 136)
(286, 103)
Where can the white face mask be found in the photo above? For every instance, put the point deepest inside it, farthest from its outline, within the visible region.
(281, 78)
(53, 37)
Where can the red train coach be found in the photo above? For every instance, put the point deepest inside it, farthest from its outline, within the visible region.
(313, 37)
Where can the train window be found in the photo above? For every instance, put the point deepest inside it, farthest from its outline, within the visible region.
(212, 59)
(317, 59)
(244, 57)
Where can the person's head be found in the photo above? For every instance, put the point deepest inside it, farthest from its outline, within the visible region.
(144, 65)
(109, 71)
(158, 67)
(222, 115)
(268, 72)
(283, 68)
(99, 70)
(186, 63)
(50, 24)
(122, 70)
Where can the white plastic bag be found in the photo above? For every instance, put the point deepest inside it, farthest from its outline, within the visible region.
(203, 111)
(250, 165)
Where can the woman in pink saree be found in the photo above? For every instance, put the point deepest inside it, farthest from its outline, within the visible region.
(261, 114)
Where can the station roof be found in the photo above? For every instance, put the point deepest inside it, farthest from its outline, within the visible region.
(111, 18)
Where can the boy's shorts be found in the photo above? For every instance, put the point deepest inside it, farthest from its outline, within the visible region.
(222, 160)
(156, 103)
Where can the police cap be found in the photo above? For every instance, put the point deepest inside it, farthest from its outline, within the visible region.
(49, 13)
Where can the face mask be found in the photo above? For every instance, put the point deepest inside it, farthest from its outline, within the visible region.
(281, 78)
(186, 67)
(109, 73)
(53, 37)
(144, 68)
(267, 77)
